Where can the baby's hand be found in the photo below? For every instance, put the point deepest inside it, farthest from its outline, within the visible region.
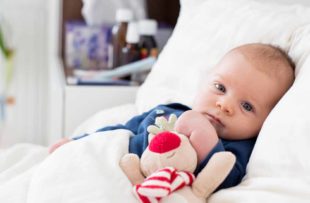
(200, 131)
(58, 144)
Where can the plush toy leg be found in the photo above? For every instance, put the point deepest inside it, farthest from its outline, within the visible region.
(130, 164)
(213, 174)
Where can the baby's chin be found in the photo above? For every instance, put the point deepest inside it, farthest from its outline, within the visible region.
(227, 136)
(223, 134)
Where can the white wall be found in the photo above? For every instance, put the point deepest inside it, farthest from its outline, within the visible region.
(26, 119)
(56, 85)
(303, 2)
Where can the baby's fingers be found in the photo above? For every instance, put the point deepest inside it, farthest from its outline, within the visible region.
(58, 144)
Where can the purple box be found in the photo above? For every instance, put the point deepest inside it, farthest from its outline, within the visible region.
(86, 47)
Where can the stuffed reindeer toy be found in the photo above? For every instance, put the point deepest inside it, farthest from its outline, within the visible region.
(165, 170)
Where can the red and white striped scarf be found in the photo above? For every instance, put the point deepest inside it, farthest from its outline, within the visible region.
(161, 183)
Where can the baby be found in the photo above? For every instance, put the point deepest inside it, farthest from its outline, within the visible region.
(228, 111)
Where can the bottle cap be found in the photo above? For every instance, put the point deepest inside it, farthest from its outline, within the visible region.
(124, 15)
(147, 27)
(132, 35)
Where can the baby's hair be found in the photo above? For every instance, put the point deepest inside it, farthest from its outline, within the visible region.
(269, 59)
(266, 53)
(284, 55)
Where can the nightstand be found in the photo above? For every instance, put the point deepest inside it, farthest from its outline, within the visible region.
(70, 105)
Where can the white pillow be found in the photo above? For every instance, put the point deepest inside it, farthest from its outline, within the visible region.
(279, 167)
(205, 31)
(111, 116)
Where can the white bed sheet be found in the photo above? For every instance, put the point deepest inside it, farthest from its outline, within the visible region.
(82, 171)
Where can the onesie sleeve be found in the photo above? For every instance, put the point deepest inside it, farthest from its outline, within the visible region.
(242, 150)
(219, 147)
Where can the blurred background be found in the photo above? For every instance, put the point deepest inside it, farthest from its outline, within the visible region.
(32, 41)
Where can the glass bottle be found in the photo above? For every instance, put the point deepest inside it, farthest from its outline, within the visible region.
(123, 17)
(131, 52)
(147, 31)
(148, 46)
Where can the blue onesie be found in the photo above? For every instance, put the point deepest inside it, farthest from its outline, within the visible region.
(137, 144)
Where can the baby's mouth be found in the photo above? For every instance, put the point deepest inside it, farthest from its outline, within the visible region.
(214, 120)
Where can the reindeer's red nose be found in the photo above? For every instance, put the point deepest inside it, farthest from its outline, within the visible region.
(164, 142)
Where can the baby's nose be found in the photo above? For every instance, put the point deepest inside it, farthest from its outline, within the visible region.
(164, 142)
(225, 106)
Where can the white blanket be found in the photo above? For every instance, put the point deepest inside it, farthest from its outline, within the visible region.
(86, 170)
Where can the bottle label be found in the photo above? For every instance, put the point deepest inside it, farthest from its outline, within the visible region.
(154, 52)
(144, 53)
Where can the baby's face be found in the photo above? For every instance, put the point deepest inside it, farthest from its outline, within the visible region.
(237, 97)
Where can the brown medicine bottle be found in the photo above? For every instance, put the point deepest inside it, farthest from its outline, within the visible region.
(123, 17)
(131, 51)
(147, 31)
(148, 46)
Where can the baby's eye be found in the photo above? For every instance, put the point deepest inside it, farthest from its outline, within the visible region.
(247, 106)
(220, 87)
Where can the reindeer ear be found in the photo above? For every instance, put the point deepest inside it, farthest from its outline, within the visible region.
(161, 125)
(172, 120)
(150, 137)
(153, 131)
